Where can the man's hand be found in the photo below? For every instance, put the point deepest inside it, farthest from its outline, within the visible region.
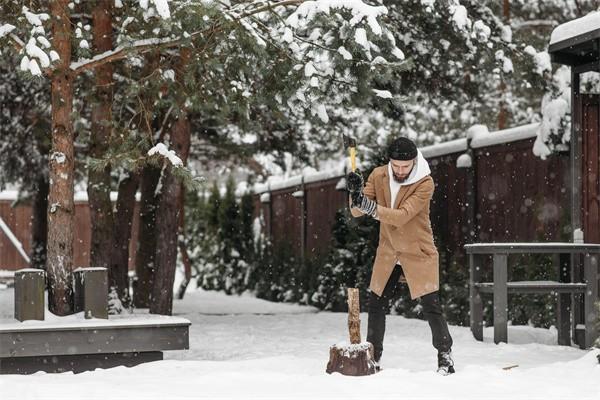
(354, 182)
(363, 203)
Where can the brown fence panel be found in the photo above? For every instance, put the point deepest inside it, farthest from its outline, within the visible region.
(18, 220)
(286, 219)
(448, 205)
(521, 198)
(590, 108)
(322, 202)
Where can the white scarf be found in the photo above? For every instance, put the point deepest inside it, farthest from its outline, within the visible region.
(419, 171)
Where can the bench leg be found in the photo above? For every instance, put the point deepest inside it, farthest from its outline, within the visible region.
(563, 319)
(477, 316)
(500, 298)
(475, 303)
(590, 268)
(564, 305)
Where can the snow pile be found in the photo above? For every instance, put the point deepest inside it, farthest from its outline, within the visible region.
(308, 10)
(384, 94)
(170, 155)
(459, 17)
(464, 161)
(481, 31)
(35, 58)
(6, 29)
(505, 62)
(542, 61)
(554, 131)
(160, 7)
(576, 27)
(35, 19)
(477, 130)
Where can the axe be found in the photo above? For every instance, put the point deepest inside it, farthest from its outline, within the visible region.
(350, 144)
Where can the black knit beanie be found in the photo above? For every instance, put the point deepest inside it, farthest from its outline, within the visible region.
(402, 149)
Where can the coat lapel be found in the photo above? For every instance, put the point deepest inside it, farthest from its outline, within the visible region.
(401, 195)
(386, 188)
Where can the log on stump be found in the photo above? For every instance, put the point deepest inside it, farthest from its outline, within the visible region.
(356, 358)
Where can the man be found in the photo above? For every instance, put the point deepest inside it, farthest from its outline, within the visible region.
(398, 195)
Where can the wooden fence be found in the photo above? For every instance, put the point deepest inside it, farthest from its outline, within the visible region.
(507, 194)
(18, 219)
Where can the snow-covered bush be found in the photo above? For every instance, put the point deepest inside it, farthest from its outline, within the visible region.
(220, 238)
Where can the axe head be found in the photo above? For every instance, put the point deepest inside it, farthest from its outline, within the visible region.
(348, 142)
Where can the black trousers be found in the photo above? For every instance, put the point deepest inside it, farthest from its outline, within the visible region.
(379, 306)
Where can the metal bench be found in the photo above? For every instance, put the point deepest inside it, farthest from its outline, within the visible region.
(566, 256)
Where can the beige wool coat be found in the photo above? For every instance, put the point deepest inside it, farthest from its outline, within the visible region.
(405, 233)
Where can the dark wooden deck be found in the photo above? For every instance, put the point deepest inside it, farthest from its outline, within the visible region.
(82, 345)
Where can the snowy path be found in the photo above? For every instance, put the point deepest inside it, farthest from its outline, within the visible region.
(245, 348)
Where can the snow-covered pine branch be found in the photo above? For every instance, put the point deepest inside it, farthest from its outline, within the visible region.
(143, 45)
(170, 155)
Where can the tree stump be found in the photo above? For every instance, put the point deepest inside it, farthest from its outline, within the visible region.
(356, 358)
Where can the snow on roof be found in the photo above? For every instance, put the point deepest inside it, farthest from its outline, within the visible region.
(576, 27)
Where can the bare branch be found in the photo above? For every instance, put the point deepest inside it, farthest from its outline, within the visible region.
(19, 44)
(534, 23)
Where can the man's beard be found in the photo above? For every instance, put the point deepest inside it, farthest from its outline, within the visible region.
(400, 179)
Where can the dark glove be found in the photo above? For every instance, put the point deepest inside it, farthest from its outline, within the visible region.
(363, 203)
(354, 181)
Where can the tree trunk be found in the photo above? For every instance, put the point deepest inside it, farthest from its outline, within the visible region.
(167, 218)
(101, 210)
(60, 198)
(118, 272)
(146, 247)
(39, 223)
(185, 258)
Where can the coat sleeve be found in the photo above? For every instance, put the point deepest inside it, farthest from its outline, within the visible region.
(409, 207)
(369, 191)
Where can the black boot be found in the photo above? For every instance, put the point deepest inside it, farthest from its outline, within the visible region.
(445, 363)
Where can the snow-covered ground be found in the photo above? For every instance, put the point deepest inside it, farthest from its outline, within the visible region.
(246, 348)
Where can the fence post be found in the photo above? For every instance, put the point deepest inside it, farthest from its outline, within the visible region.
(472, 223)
(303, 220)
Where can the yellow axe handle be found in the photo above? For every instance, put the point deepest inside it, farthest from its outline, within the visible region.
(353, 158)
